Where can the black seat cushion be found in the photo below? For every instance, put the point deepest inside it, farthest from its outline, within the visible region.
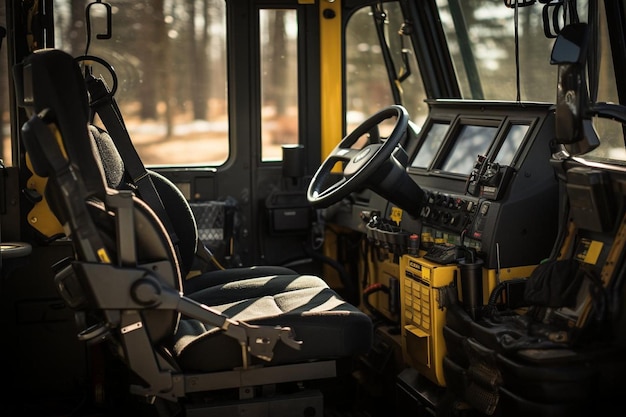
(329, 326)
(223, 276)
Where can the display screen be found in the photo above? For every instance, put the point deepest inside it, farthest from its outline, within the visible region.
(471, 141)
(514, 138)
(430, 146)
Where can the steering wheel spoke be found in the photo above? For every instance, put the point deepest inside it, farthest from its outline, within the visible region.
(359, 164)
(330, 189)
(343, 154)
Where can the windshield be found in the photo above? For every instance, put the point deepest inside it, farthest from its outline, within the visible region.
(487, 42)
(497, 53)
(482, 42)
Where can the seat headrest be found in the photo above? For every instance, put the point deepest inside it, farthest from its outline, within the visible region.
(51, 80)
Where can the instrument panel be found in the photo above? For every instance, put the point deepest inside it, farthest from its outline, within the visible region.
(490, 187)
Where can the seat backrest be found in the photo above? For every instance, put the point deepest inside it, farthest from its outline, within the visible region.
(175, 204)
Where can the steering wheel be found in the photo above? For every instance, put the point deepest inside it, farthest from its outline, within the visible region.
(359, 164)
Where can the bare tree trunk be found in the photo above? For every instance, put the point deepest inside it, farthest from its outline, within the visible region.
(149, 76)
(278, 70)
(78, 28)
(217, 57)
(157, 67)
(201, 92)
(164, 58)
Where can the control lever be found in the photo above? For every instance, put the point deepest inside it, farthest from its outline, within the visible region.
(471, 186)
(444, 254)
(488, 179)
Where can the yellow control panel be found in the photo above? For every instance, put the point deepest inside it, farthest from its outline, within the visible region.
(422, 317)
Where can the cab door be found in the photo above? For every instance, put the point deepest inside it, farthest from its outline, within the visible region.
(250, 203)
(274, 106)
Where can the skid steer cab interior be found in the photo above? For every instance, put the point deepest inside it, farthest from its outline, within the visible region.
(313, 208)
(245, 334)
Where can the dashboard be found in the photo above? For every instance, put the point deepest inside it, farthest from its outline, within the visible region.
(485, 169)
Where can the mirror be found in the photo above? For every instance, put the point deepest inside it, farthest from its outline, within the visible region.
(569, 53)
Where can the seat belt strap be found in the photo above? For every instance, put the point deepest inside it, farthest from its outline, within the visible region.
(104, 105)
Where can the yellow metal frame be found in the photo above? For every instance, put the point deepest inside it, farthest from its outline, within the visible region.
(331, 75)
(41, 217)
(422, 316)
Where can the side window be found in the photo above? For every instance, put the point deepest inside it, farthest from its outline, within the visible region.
(279, 80)
(611, 133)
(367, 81)
(170, 60)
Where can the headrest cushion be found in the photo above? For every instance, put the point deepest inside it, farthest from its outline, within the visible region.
(112, 163)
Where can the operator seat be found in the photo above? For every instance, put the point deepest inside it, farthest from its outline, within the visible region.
(126, 281)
